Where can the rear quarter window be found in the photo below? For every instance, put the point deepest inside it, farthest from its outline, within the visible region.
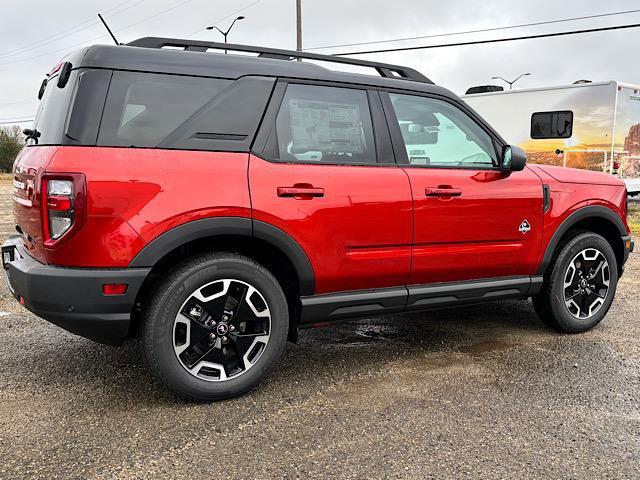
(182, 112)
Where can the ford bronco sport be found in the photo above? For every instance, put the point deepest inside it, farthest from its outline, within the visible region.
(212, 205)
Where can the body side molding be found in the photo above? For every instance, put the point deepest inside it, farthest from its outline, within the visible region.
(462, 293)
(343, 305)
(334, 306)
(592, 211)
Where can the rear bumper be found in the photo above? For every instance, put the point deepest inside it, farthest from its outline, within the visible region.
(72, 298)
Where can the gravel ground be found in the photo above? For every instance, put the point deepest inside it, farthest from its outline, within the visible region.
(482, 392)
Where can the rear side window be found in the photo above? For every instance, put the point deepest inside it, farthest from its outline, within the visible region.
(552, 124)
(143, 109)
(325, 125)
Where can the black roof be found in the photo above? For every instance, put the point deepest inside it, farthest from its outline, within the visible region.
(148, 55)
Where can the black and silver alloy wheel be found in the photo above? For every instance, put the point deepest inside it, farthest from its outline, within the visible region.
(221, 330)
(580, 284)
(215, 326)
(586, 283)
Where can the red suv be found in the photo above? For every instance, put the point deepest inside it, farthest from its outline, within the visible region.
(212, 205)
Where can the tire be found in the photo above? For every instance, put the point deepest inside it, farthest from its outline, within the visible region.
(189, 308)
(572, 307)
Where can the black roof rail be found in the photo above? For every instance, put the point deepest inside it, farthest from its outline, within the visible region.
(384, 69)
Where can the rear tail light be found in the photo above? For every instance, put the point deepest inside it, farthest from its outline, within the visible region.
(63, 205)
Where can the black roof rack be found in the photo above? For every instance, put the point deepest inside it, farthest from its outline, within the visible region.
(384, 69)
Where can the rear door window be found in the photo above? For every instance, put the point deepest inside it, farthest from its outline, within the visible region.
(143, 109)
(325, 125)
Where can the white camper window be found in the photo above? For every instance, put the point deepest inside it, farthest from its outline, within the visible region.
(552, 124)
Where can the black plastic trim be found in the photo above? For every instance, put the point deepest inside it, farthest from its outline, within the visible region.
(546, 195)
(344, 305)
(188, 232)
(336, 306)
(461, 293)
(585, 212)
(294, 252)
(238, 226)
(72, 297)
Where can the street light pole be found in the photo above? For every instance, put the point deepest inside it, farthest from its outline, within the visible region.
(512, 82)
(226, 33)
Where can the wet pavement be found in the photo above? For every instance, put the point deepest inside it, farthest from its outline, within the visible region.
(479, 392)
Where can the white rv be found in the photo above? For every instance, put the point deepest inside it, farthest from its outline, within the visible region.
(593, 125)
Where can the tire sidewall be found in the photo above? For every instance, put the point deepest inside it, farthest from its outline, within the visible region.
(159, 327)
(558, 308)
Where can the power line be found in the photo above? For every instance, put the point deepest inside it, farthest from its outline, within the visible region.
(9, 122)
(69, 31)
(72, 47)
(162, 12)
(482, 30)
(494, 40)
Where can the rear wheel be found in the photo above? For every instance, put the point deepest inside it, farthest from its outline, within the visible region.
(215, 327)
(578, 292)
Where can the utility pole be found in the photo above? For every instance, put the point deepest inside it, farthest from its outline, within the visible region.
(299, 26)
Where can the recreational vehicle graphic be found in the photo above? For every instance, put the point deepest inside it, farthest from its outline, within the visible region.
(594, 126)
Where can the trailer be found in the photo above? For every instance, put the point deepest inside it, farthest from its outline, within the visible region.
(588, 125)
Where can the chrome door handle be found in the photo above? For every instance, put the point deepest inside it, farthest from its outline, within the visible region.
(442, 192)
(300, 192)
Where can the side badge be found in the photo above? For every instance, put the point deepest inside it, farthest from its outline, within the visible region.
(524, 227)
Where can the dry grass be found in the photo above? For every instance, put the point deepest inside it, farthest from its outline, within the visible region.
(633, 218)
(7, 225)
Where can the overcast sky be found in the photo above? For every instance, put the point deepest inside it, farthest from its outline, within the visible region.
(35, 34)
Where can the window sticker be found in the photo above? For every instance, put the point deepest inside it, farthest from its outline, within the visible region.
(325, 127)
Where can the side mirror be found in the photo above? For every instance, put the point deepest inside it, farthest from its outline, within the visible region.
(513, 158)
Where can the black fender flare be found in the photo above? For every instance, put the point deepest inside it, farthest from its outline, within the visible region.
(155, 250)
(593, 211)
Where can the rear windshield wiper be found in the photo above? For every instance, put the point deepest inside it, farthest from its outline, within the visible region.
(32, 134)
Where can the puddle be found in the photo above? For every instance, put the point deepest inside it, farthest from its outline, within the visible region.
(365, 334)
(488, 346)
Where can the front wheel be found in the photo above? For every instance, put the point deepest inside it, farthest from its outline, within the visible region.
(578, 292)
(215, 327)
